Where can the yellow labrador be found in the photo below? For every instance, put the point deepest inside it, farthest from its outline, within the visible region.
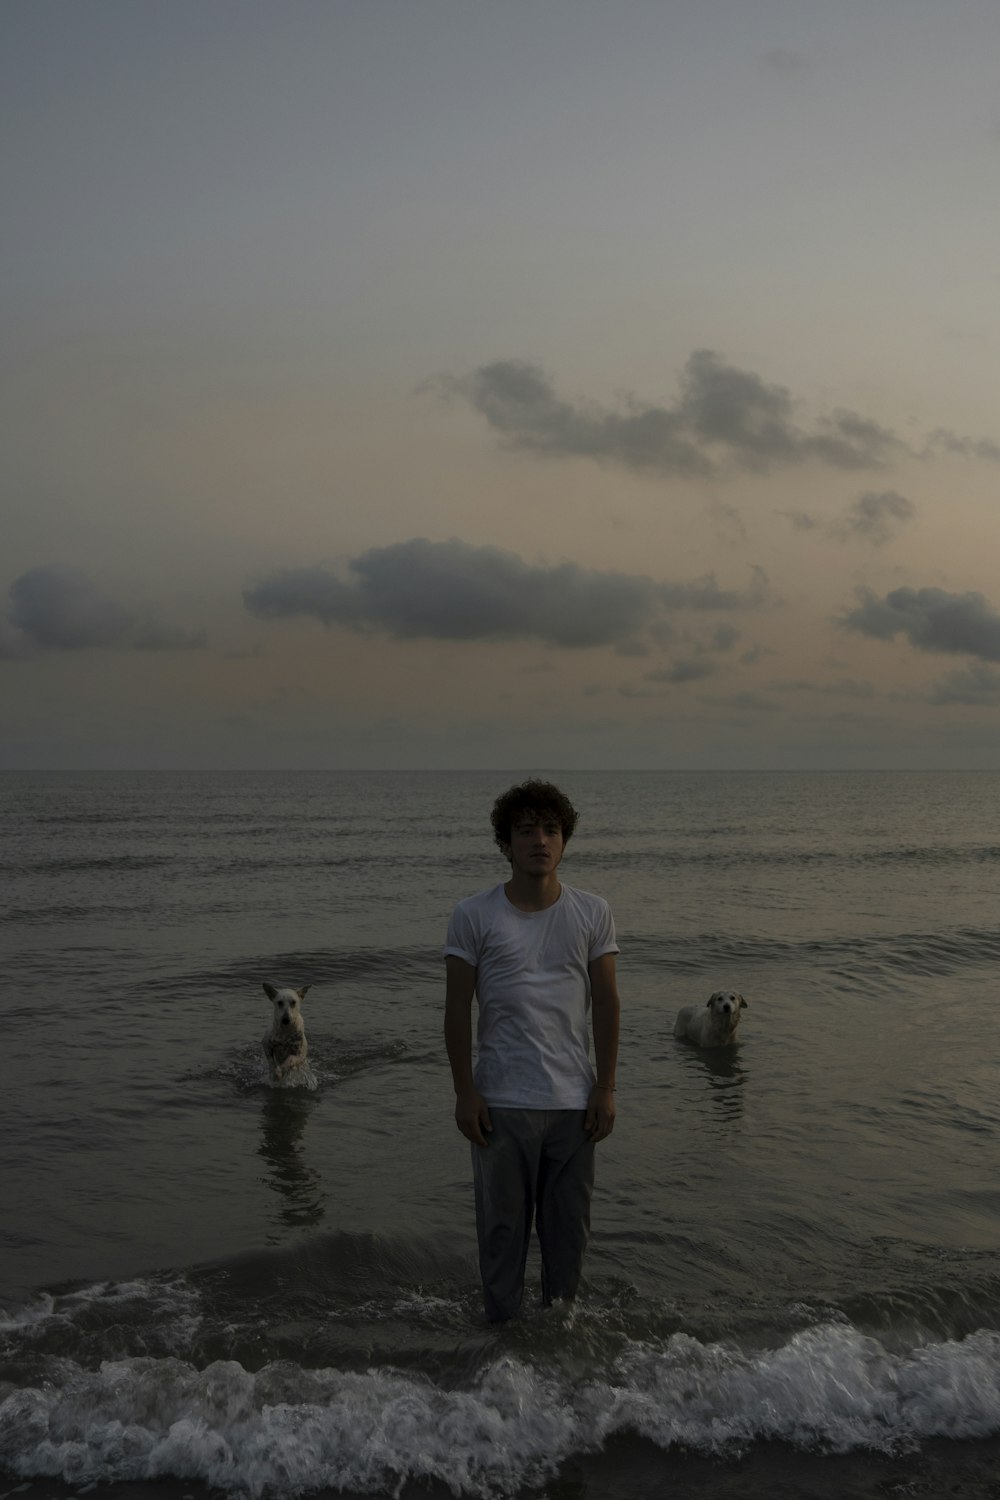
(713, 1025)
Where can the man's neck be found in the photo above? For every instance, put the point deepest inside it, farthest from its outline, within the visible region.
(532, 895)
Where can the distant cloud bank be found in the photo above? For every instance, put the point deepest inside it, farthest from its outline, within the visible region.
(875, 517)
(55, 608)
(722, 416)
(931, 620)
(454, 591)
(943, 441)
(722, 413)
(978, 687)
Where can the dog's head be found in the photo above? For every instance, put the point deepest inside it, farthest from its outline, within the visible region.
(725, 1006)
(287, 1006)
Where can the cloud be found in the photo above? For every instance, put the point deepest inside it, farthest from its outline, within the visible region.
(754, 654)
(151, 635)
(735, 408)
(13, 646)
(847, 441)
(687, 670)
(704, 593)
(728, 524)
(722, 412)
(57, 608)
(845, 687)
(60, 608)
(692, 668)
(519, 403)
(724, 638)
(979, 687)
(663, 632)
(942, 440)
(875, 516)
(800, 520)
(746, 702)
(454, 591)
(931, 620)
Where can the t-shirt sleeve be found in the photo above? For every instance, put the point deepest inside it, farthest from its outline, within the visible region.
(602, 938)
(462, 940)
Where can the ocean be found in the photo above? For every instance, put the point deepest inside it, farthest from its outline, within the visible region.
(211, 1287)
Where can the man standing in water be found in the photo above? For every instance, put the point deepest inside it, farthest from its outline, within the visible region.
(537, 955)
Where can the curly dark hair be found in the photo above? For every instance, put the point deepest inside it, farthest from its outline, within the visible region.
(537, 799)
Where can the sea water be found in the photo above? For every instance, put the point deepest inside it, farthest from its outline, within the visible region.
(211, 1286)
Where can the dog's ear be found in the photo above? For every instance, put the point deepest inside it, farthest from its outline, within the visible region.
(713, 996)
(269, 990)
(743, 1004)
(303, 992)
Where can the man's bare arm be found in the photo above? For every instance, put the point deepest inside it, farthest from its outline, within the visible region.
(605, 1009)
(472, 1115)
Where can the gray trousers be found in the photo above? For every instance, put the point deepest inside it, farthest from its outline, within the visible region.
(538, 1164)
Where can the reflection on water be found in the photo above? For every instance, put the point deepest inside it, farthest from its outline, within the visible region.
(722, 1074)
(298, 1185)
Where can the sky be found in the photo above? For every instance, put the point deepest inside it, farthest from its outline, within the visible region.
(547, 384)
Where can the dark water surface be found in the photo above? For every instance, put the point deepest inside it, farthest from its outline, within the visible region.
(209, 1285)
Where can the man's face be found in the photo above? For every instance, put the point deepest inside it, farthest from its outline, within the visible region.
(536, 844)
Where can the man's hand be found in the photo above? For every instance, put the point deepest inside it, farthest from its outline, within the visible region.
(472, 1116)
(600, 1117)
(605, 1008)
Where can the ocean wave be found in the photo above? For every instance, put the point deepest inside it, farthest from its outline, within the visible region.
(154, 1316)
(287, 1431)
(399, 965)
(754, 856)
(930, 953)
(98, 864)
(360, 1362)
(66, 913)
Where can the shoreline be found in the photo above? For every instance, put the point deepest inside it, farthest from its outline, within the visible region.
(632, 1468)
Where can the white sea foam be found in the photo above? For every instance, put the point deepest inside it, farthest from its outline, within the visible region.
(299, 1078)
(285, 1431)
(167, 1312)
(29, 1315)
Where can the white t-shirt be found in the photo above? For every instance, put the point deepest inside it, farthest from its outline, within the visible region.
(533, 989)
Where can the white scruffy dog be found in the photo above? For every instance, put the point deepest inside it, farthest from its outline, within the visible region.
(712, 1025)
(285, 1045)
